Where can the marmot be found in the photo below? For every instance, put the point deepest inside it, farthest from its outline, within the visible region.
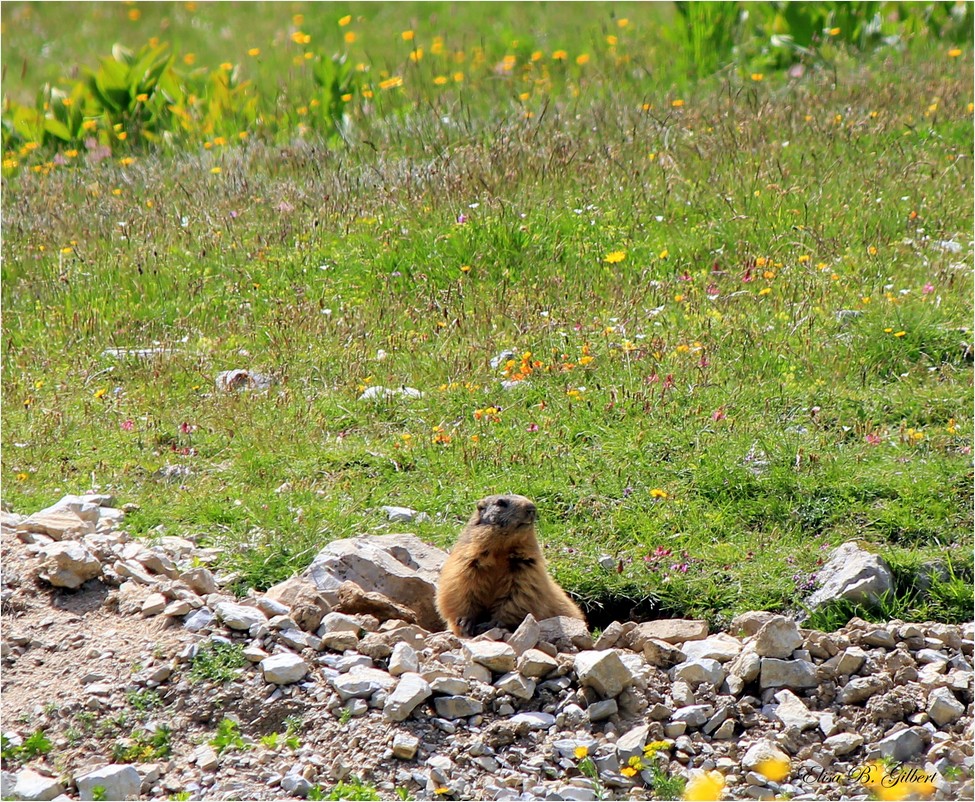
(496, 575)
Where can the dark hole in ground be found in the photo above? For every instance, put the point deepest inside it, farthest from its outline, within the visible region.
(603, 611)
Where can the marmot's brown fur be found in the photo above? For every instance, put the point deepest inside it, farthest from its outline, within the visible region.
(496, 574)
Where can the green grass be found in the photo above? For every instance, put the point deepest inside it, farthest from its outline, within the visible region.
(217, 662)
(744, 276)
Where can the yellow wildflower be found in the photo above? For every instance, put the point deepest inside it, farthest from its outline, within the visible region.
(581, 752)
(704, 787)
(343, 21)
(775, 770)
(613, 257)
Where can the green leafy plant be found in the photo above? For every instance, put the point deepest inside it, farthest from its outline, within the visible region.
(144, 700)
(144, 747)
(99, 793)
(33, 746)
(217, 662)
(354, 790)
(227, 736)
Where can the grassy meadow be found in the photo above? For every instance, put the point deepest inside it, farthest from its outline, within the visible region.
(735, 297)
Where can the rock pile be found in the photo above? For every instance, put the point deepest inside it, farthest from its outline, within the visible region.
(352, 648)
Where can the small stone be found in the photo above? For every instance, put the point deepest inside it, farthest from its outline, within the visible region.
(498, 657)
(631, 743)
(68, 565)
(701, 671)
(603, 671)
(403, 515)
(296, 785)
(747, 665)
(669, 630)
(725, 732)
(843, 743)
(450, 686)
(536, 664)
(338, 622)
(778, 637)
(682, 694)
(599, 711)
(777, 673)
(675, 729)
(662, 654)
(254, 654)
(721, 647)
(792, 712)
(154, 604)
(284, 668)
(514, 684)
(762, 751)
(853, 573)
(525, 636)
(177, 608)
(58, 524)
(201, 619)
(403, 659)
(116, 781)
(943, 707)
(361, 683)
(237, 616)
(901, 746)
(692, 715)
(200, 580)
(206, 758)
(31, 785)
(879, 637)
(566, 633)
(859, 690)
(294, 638)
(750, 623)
(534, 721)
(453, 707)
(340, 641)
(405, 746)
(848, 662)
(410, 692)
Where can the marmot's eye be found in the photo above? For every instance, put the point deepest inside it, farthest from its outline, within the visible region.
(502, 502)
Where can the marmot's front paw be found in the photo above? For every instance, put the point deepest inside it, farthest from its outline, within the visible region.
(467, 626)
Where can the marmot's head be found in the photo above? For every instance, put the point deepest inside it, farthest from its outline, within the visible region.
(505, 512)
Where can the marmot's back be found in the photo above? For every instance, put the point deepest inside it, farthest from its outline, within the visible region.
(496, 574)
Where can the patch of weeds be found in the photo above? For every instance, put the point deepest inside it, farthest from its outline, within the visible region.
(666, 785)
(180, 796)
(73, 735)
(36, 744)
(217, 662)
(356, 791)
(99, 793)
(144, 747)
(145, 700)
(227, 736)
(345, 716)
(273, 740)
(402, 793)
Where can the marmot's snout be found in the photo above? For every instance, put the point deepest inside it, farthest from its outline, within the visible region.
(506, 511)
